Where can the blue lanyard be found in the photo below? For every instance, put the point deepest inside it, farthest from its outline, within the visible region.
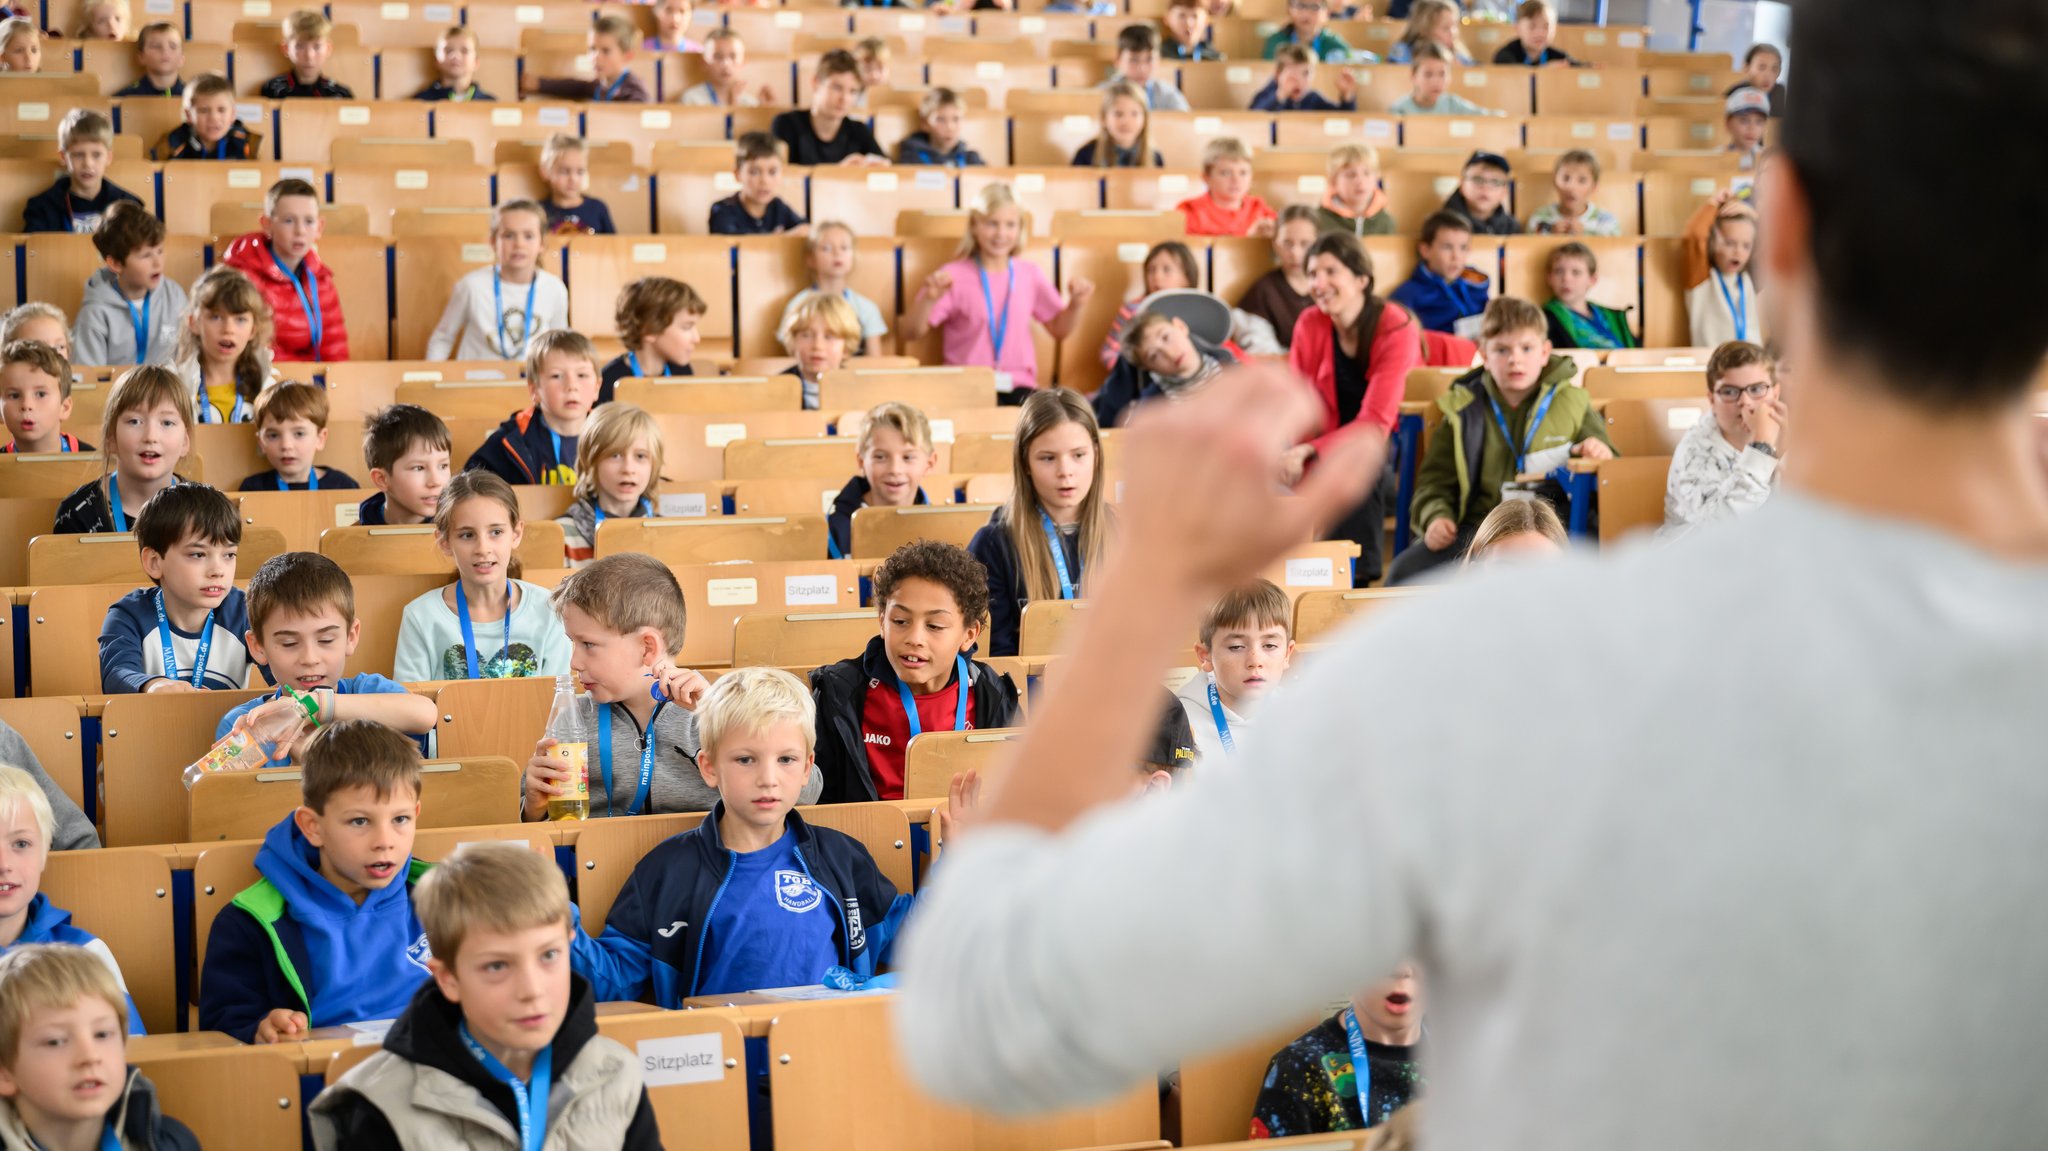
(604, 758)
(555, 438)
(163, 635)
(237, 412)
(114, 505)
(646, 508)
(1361, 1069)
(612, 92)
(997, 331)
(633, 362)
(140, 318)
(960, 673)
(1738, 304)
(220, 147)
(1059, 554)
(531, 1097)
(308, 301)
(498, 294)
(1528, 433)
(469, 631)
(1222, 721)
(312, 482)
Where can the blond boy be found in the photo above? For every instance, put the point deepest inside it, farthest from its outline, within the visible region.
(212, 129)
(308, 43)
(455, 56)
(79, 199)
(160, 51)
(614, 42)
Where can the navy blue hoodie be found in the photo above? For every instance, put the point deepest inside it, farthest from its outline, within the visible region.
(653, 940)
(45, 922)
(997, 552)
(293, 940)
(839, 521)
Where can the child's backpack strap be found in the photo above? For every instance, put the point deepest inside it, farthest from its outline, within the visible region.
(265, 903)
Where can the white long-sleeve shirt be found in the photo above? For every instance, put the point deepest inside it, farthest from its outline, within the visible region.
(469, 327)
(1711, 479)
(1711, 315)
(1791, 885)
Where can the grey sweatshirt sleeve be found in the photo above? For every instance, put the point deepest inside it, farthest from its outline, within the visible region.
(92, 338)
(74, 831)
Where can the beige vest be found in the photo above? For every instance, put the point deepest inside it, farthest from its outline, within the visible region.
(590, 1106)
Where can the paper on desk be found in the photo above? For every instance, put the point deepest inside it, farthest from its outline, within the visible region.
(816, 991)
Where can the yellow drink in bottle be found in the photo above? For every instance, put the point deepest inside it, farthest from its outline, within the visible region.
(574, 802)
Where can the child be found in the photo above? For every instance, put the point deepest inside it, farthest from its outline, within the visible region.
(281, 260)
(64, 1078)
(1535, 26)
(753, 897)
(565, 165)
(35, 393)
(624, 616)
(1165, 358)
(455, 55)
(476, 524)
(1247, 645)
(145, 431)
(1354, 1070)
(1520, 416)
(27, 917)
(21, 45)
(291, 428)
(1290, 89)
(1126, 137)
(187, 632)
(1041, 544)
(828, 251)
(755, 210)
(80, 198)
(328, 936)
(223, 353)
(1169, 266)
(821, 333)
(1137, 59)
(303, 629)
(1279, 297)
(1431, 94)
(502, 1020)
(977, 329)
(724, 55)
(160, 49)
(1482, 196)
(308, 42)
(896, 454)
(1575, 320)
(130, 314)
(1355, 202)
(1307, 27)
(1517, 530)
(672, 28)
(1748, 112)
(931, 605)
(613, 41)
(538, 445)
(43, 323)
(1226, 206)
(211, 130)
(872, 54)
(105, 20)
(938, 141)
(1187, 27)
(1444, 292)
(485, 321)
(1574, 213)
(407, 448)
(618, 473)
(1761, 67)
(827, 133)
(1727, 467)
(657, 322)
(1430, 22)
(1723, 306)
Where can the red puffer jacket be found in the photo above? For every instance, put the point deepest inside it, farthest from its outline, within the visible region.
(251, 256)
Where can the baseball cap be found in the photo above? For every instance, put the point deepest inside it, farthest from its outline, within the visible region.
(1748, 99)
(1491, 160)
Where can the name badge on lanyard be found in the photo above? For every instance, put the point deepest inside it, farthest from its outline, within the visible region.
(647, 748)
(998, 324)
(960, 674)
(1521, 454)
(530, 1097)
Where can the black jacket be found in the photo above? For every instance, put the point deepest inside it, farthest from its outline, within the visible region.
(1514, 52)
(50, 210)
(839, 523)
(841, 690)
(522, 452)
(1006, 596)
(794, 128)
(143, 1123)
(619, 368)
(1501, 223)
(426, 1034)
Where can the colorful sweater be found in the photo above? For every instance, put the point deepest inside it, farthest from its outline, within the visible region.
(1311, 1088)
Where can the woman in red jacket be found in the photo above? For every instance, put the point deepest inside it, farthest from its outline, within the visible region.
(1356, 349)
(281, 261)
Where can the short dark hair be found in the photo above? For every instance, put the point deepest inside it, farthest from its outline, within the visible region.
(126, 227)
(292, 400)
(753, 146)
(837, 62)
(183, 510)
(357, 753)
(1446, 220)
(302, 582)
(950, 566)
(1572, 250)
(1739, 354)
(1182, 255)
(647, 306)
(1756, 50)
(390, 432)
(289, 186)
(1137, 38)
(1980, 67)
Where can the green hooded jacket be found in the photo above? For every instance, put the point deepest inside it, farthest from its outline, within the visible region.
(1453, 484)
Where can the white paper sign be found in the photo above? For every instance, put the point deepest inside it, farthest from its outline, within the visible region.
(1461, 129)
(719, 435)
(1621, 131)
(35, 112)
(1031, 25)
(881, 181)
(478, 254)
(1237, 74)
(395, 11)
(410, 179)
(1312, 185)
(437, 13)
(1629, 39)
(1336, 126)
(1311, 573)
(507, 117)
(157, 7)
(725, 182)
(1379, 129)
(255, 7)
(789, 19)
(1173, 184)
(1680, 419)
(354, 115)
(1131, 253)
(1208, 125)
(910, 23)
(929, 179)
(681, 504)
(650, 253)
(528, 14)
(244, 178)
(1445, 185)
(988, 70)
(1074, 123)
(552, 117)
(942, 433)
(1475, 79)
(731, 593)
(584, 63)
(682, 1059)
(305, 174)
(346, 515)
(811, 591)
(1033, 182)
(1702, 186)
(1583, 131)
(1589, 79)
(1595, 36)
(659, 119)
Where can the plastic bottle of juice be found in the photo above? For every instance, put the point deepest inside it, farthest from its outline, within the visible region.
(256, 741)
(571, 723)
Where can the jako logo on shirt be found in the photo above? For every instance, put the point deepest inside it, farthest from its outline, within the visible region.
(795, 891)
(856, 934)
(418, 953)
(881, 740)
